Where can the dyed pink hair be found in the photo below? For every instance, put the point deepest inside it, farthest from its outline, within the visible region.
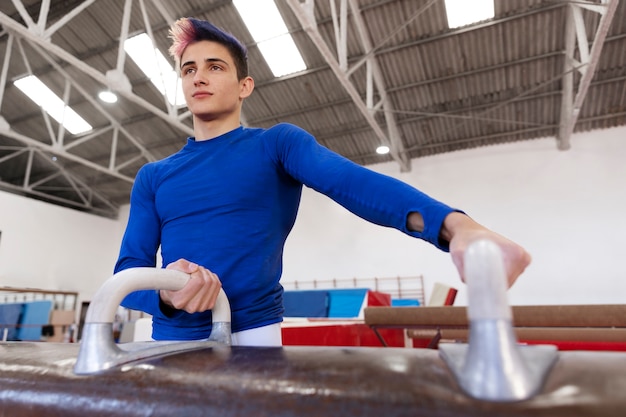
(182, 33)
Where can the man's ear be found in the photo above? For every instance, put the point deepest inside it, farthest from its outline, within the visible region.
(247, 86)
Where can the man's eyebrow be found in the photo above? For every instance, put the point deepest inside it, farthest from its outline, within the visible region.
(208, 60)
(187, 63)
(216, 60)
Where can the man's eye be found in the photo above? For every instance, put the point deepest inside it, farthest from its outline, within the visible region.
(188, 71)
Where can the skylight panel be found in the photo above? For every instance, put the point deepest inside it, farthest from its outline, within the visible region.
(156, 67)
(464, 12)
(38, 92)
(269, 31)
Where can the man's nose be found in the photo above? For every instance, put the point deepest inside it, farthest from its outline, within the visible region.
(198, 79)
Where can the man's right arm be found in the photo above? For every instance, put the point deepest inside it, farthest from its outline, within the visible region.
(141, 241)
(143, 233)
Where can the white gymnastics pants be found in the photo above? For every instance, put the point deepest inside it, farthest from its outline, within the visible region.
(269, 335)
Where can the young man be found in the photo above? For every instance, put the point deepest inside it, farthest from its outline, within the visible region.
(221, 208)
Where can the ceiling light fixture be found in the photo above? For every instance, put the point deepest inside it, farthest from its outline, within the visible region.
(45, 98)
(107, 96)
(382, 150)
(269, 31)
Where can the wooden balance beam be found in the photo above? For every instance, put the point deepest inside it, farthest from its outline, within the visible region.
(581, 323)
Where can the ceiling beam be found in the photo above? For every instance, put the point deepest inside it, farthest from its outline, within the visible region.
(57, 147)
(84, 194)
(397, 145)
(80, 194)
(575, 34)
(304, 14)
(111, 81)
(59, 200)
(64, 154)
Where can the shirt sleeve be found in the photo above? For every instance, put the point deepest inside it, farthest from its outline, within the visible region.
(141, 240)
(375, 197)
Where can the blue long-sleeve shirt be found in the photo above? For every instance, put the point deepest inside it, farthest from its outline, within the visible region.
(229, 203)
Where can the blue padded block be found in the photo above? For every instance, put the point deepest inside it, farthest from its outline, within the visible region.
(346, 303)
(396, 302)
(305, 303)
(36, 314)
(9, 318)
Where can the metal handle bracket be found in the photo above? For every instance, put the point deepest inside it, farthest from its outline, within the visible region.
(493, 366)
(98, 350)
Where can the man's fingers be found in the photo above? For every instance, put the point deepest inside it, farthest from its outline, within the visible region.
(200, 292)
(517, 265)
(209, 291)
(515, 257)
(183, 265)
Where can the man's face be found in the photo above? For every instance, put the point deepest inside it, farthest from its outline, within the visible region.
(209, 79)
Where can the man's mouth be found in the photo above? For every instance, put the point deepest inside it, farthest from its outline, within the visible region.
(199, 94)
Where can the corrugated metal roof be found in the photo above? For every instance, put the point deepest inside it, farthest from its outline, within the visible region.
(494, 82)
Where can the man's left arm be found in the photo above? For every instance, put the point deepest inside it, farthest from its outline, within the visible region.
(461, 230)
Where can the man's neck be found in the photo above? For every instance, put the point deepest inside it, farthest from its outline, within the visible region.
(206, 130)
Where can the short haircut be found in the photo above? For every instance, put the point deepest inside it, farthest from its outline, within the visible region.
(188, 30)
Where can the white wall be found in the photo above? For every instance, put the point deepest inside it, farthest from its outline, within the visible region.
(55, 248)
(566, 208)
